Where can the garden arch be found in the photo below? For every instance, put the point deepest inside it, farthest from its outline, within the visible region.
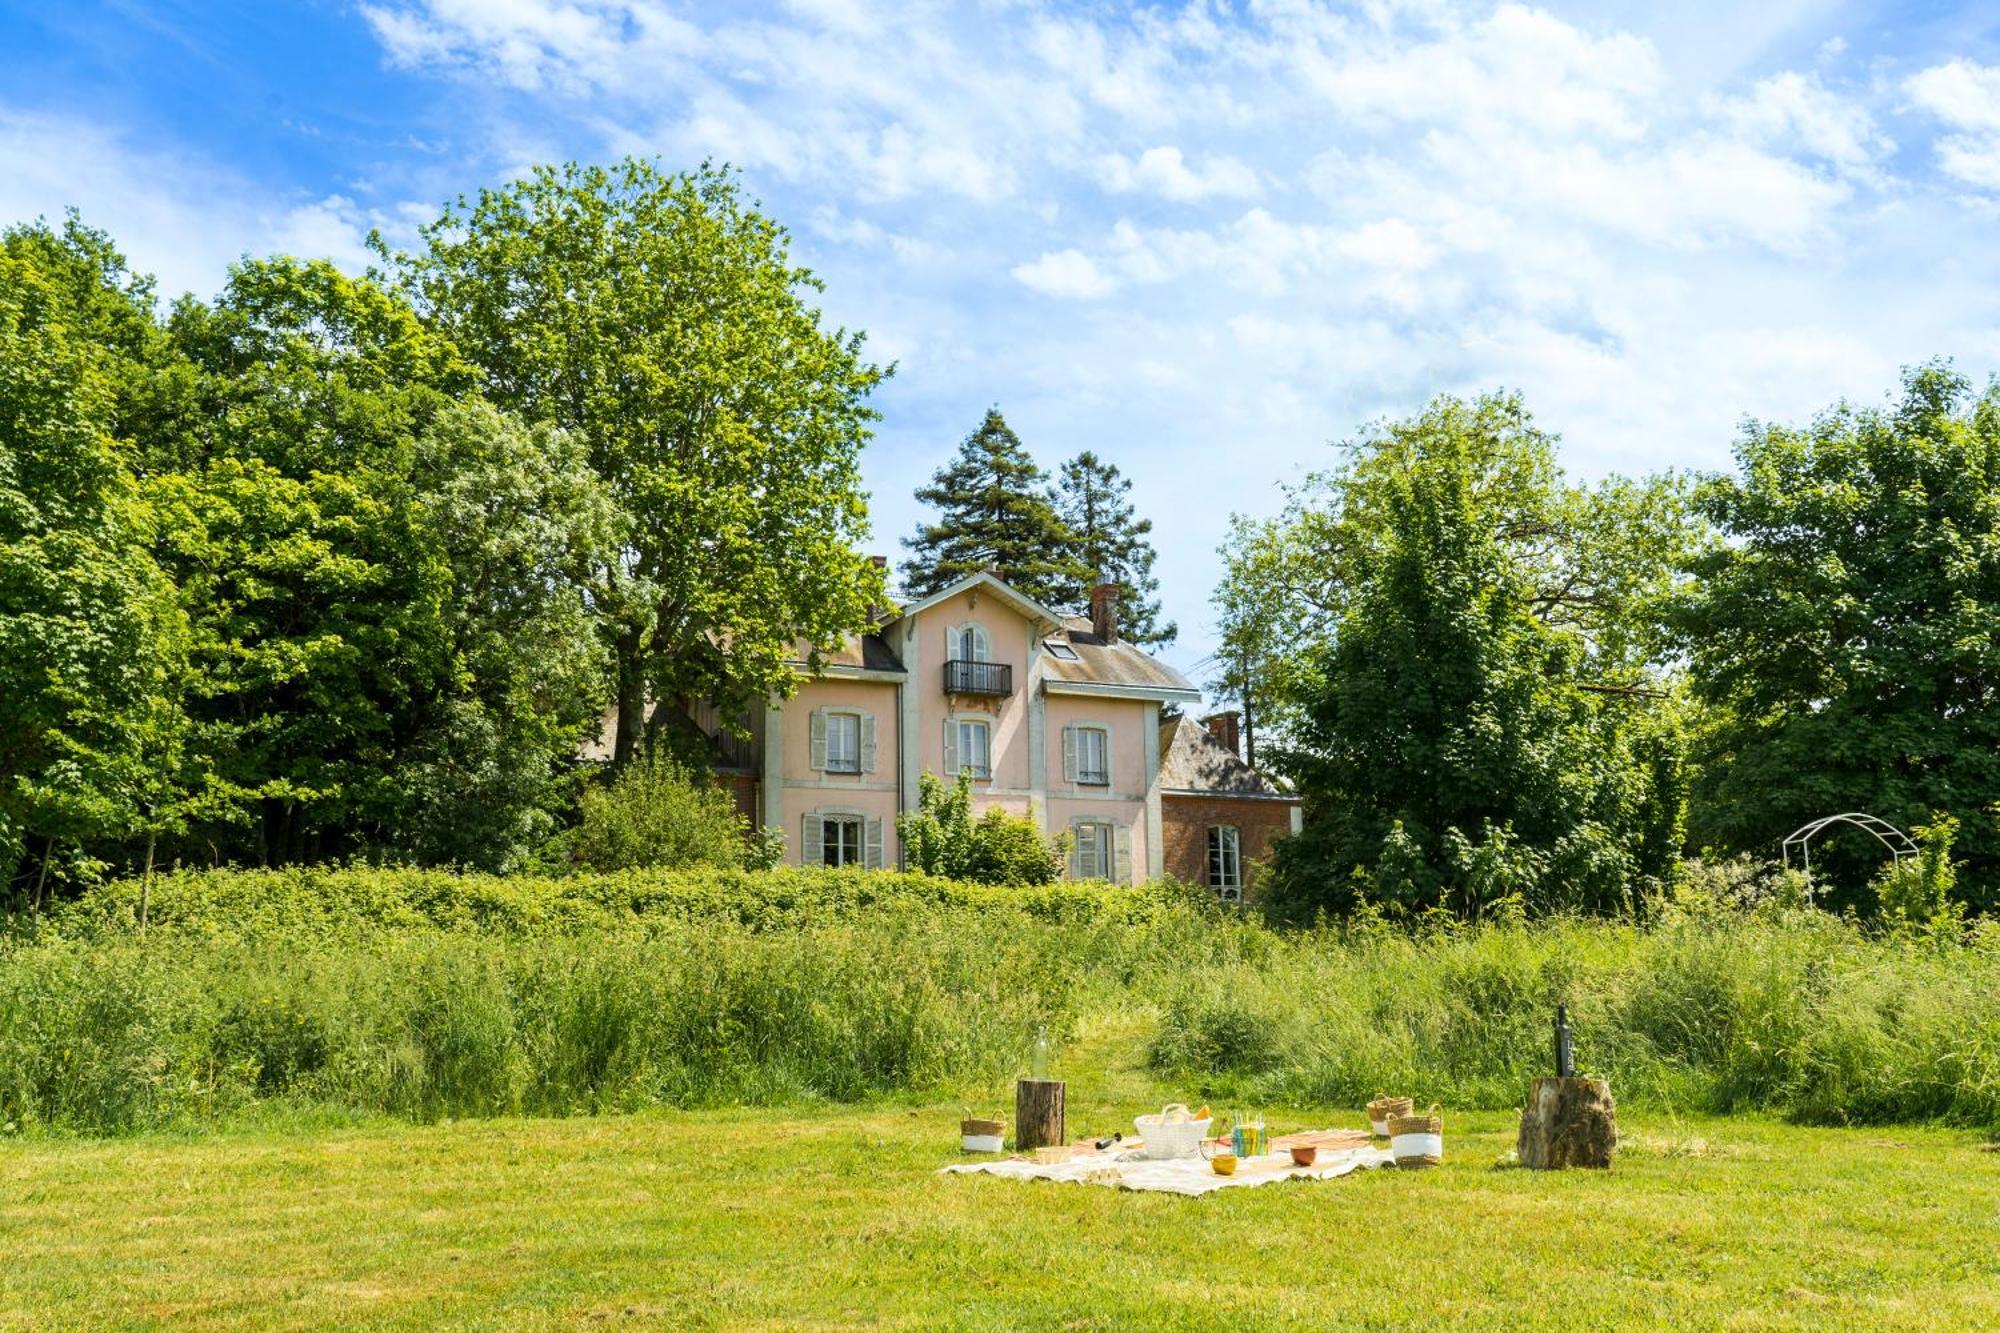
(1899, 843)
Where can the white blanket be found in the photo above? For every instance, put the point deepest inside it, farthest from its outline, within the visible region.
(1187, 1175)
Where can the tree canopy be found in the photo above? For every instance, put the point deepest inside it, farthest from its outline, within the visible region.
(994, 516)
(1112, 543)
(1844, 626)
(659, 319)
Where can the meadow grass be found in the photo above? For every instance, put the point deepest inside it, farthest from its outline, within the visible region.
(835, 1218)
(431, 996)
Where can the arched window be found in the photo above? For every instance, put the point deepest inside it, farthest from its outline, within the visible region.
(969, 643)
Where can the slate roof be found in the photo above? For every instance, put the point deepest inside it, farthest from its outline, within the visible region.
(870, 652)
(1193, 761)
(1101, 663)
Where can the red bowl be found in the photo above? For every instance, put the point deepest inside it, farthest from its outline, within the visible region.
(1304, 1154)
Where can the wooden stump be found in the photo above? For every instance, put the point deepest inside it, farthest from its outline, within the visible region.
(1038, 1114)
(1568, 1122)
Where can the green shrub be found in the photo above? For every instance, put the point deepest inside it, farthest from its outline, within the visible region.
(656, 814)
(940, 837)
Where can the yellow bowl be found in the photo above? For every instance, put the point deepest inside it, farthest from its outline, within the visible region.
(1224, 1164)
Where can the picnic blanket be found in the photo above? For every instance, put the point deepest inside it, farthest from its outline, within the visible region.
(1122, 1167)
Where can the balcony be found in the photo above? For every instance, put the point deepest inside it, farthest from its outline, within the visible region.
(964, 676)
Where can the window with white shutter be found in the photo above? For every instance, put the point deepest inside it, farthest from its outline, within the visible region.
(973, 746)
(1093, 756)
(843, 742)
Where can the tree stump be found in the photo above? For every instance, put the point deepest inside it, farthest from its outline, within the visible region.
(1038, 1114)
(1568, 1122)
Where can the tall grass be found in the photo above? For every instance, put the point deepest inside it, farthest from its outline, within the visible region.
(426, 995)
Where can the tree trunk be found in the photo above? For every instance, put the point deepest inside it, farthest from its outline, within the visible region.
(631, 698)
(1568, 1122)
(1038, 1114)
(42, 870)
(146, 881)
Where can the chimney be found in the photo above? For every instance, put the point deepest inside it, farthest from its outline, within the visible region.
(1104, 612)
(879, 561)
(1225, 729)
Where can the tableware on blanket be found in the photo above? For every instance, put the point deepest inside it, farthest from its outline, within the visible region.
(1417, 1140)
(1382, 1108)
(1051, 1156)
(1174, 1132)
(1303, 1154)
(1223, 1163)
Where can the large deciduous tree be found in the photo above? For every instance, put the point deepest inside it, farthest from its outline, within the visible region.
(1847, 623)
(660, 320)
(1462, 707)
(1113, 545)
(994, 516)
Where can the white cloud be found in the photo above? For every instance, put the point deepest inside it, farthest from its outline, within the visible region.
(177, 216)
(1065, 273)
(1163, 171)
(1965, 96)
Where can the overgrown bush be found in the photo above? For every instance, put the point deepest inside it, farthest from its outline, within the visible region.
(940, 837)
(657, 814)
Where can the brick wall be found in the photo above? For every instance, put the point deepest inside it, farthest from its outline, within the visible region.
(1185, 821)
(742, 787)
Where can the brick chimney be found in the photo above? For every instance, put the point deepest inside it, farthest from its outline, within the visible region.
(1226, 729)
(1104, 612)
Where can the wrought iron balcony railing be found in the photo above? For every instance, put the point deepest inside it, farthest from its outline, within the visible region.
(964, 676)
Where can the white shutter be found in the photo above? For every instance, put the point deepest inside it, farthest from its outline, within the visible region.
(871, 857)
(1105, 736)
(815, 840)
(867, 742)
(1121, 838)
(1069, 753)
(818, 762)
(950, 748)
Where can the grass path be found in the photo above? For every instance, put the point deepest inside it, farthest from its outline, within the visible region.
(836, 1219)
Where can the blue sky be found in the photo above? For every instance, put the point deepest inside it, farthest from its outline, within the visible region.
(1203, 240)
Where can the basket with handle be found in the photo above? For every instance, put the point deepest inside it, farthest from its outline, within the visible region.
(979, 1134)
(1417, 1140)
(1382, 1108)
(1174, 1132)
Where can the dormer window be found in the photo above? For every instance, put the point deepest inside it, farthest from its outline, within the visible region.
(1061, 650)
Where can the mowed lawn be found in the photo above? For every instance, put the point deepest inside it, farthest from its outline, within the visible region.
(836, 1219)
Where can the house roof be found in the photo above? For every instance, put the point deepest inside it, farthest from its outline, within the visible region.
(1193, 761)
(861, 652)
(1119, 665)
(1020, 601)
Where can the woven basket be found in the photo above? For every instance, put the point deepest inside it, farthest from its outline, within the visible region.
(977, 1135)
(1417, 1140)
(1382, 1108)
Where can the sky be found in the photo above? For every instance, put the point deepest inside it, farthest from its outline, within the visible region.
(1206, 241)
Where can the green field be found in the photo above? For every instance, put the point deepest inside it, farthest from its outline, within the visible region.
(835, 1219)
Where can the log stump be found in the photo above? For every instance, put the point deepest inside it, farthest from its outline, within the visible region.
(1038, 1114)
(1568, 1122)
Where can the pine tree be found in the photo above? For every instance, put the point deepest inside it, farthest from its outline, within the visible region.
(1112, 546)
(995, 515)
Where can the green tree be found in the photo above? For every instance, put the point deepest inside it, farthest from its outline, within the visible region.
(1448, 731)
(1113, 545)
(89, 633)
(659, 319)
(994, 516)
(1845, 626)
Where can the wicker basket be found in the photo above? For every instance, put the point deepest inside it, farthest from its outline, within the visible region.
(1417, 1140)
(1382, 1108)
(976, 1135)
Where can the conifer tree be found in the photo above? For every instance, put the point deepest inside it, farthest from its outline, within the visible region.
(1112, 546)
(995, 515)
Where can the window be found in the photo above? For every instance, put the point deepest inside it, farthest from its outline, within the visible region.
(1093, 756)
(969, 644)
(1062, 650)
(840, 840)
(1096, 857)
(843, 742)
(975, 753)
(1225, 862)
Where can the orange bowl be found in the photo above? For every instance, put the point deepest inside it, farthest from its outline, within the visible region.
(1224, 1164)
(1304, 1154)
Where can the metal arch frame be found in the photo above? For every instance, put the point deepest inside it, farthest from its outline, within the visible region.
(1899, 843)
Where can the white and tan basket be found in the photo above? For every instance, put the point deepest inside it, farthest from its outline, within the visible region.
(1174, 1132)
(1417, 1140)
(1382, 1108)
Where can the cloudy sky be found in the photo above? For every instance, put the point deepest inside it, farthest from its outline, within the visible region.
(1202, 240)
